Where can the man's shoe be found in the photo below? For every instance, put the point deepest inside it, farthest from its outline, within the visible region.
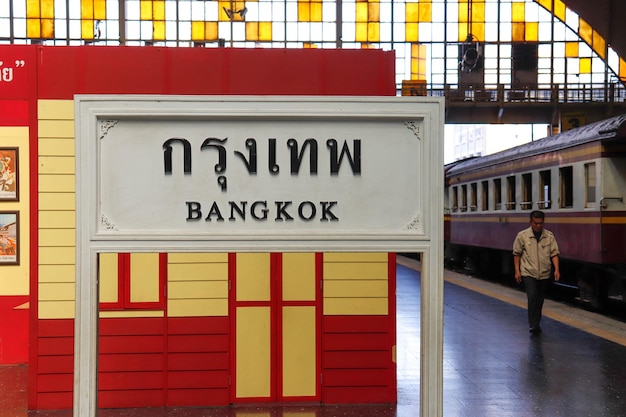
(535, 330)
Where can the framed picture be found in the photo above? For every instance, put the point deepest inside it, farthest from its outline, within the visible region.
(9, 174)
(9, 238)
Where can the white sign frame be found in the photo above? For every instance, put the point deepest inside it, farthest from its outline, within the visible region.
(420, 229)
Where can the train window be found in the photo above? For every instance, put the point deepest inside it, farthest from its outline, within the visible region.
(566, 175)
(545, 188)
(527, 192)
(510, 193)
(497, 194)
(455, 198)
(590, 184)
(464, 197)
(485, 196)
(474, 196)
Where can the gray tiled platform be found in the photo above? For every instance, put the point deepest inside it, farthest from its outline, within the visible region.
(492, 367)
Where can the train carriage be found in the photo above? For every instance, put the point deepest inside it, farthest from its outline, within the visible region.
(577, 178)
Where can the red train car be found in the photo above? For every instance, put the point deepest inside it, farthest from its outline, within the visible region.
(578, 178)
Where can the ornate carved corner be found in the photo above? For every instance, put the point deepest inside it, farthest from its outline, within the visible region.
(415, 224)
(105, 126)
(104, 221)
(415, 128)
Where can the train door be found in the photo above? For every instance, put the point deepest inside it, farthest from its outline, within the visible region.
(276, 314)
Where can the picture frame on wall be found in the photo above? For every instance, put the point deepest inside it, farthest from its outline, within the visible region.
(9, 174)
(9, 237)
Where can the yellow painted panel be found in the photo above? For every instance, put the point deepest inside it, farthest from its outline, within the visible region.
(197, 289)
(56, 309)
(253, 277)
(109, 280)
(57, 201)
(355, 306)
(189, 257)
(57, 273)
(57, 255)
(356, 288)
(15, 133)
(56, 128)
(56, 109)
(132, 313)
(56, 146)
(299, 353)
(144, 277)
(355, 257)
(197, 272)
(253, 359)
(571, 49)
(54, 219)
(56, 165)
(299, 276)
(355, 271)
(57, 237)
(197, 308)
(57, 183)
(57, 291)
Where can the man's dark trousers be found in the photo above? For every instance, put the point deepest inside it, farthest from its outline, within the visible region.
(536, 292)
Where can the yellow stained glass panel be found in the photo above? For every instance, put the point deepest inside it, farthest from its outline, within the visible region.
(425, 11)
(362, 12)
(547, 4)
(622, 69)
(373, 12)
(87, 29)
(33, 28)
(571, 49)
(518, 32)
(463, 11)
(361, 32)
(373, 32)
(559, 9)
(265, 31)
(316, 11)
(532, 31)
(411, 32)
(518, 12)
(203, 31)
(599, 44)
(145, 10)
(158, 30)
(411, 13)
(585, 31)
(304, 11)
(252, 31)
(584, 65)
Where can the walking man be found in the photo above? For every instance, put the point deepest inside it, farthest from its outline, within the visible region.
(535, 251)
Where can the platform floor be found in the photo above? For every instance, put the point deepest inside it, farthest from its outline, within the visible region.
(491, 365)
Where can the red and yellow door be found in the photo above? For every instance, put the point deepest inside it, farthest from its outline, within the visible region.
(276, 314)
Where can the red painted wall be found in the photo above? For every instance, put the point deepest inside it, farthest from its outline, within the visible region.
(62, 72)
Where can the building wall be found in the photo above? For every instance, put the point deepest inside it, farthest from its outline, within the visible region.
(187, 329)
